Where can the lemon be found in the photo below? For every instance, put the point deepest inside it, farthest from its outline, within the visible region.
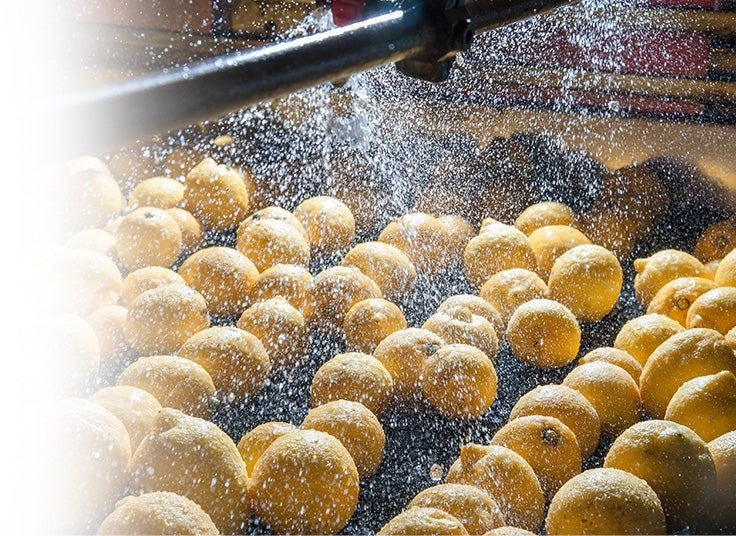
(418, 521)
(508, 289)
(543, 214)
(370, 321)
(642, 335)
(715, 309)
(391, 268)
(473, 507)
(652, 273)
(499, 247)
(253, 444)
(676, 297)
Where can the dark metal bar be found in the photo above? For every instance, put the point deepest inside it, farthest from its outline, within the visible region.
(489, 14)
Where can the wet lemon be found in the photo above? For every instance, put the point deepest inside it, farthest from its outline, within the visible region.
(499, 247)
(235, 359)
(567, 405)
(543, 333)
(181, 160)
(706, 405)
(191, 230)
(674, 461)
(194, 458)
(459, 381)
(224, 276)
(387, 265)
(550, 242)
(135, 408)
(276, 213)
(370, 321)
(333, 292)
(321, 478)
(642, 335)
(143, 279)
(544, 214)
(90, 198)
(160, 512)
(353, 376)
(270, 242)
(404, 354)
(472, 506)
(356, 427)
(715, 309)
(711, 268)
(614, 356)
(161, 319)
(130, 165)
(83, 280)
(549, 446)
(477, 306)
(682, 357)
(69, 352)
(216, 195)
(87, 468)
(723, 451)
(507, 477)
(612, 392)
(460, 231)
(329, 224)
(675, 298)
(94, 239)
(282, 330)
(159, 192)
(109, 326)
(422, 238)
(731, 338)
(458, 325)
(652, 273)
(605, 501)
(174, 381)
(508, 289)
(418, 521)
(717, 241)
(147, 237)
(726, 271)
(253, 444)
(508, 531)
(588, 280)
(288, 281)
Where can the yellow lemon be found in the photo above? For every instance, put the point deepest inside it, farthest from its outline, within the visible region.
(216, 195)
(422, 238)
(329, 224)
(652, 273)
(472, 506)
(499, 247)
(543, 214)
(508, 289)
(253, 444)
(387, 265)
(550, 242)
(143, 279)
(715, 309)
(458, 325)
(642, 335)
(418, 521)
(370, 321)
(287, 281)
(147, 237)
(404, 354)
(614, 356)
(676, 297)
(135, 408)
(159, 192)
(723, 451)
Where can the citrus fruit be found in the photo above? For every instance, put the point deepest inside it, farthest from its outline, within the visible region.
(321, 478)
(270, 242)
(147, 237)
(191, 230)
(542, 215)
(706, 405)
(543, 333)
(216, 195)
(726, 271)
(108, 324)
(370, 321)
(329, 224)
(194, 458)
(458, 325)
(472, 506)
(353, 376)
(549, 446)
(508, 531)
(682, 357)
(477, 306)
(90, 198)
(459, 381)
(387, 265)
(614, 356)
(717, 241)
(460, 231)
(276, 213)
(676, 297)
(94, 239)
(550, 242)
(235, 359)
(159, 192)
(223, 276)
(422, 238)
(567, 405)
(605, 501)
(422, 521)
(715, 309)
(83, 280)
(723, 451)
(282, 330)
(499, 247)
(69, 352)
(674, 461)
(288, 281)
(508, 289)
(404, 354)
(652, 273)
(711, 268)
(253, 444)
(642, 335)
(160, 512)
(135, 408)
(587, 279)
(143, 279)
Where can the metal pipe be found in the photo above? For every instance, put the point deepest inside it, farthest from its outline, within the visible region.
(490, 14)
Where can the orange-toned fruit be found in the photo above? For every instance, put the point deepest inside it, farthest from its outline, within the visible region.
(475, 508)
(715, 309)
(642, 335)
(161, 319)
(275, 213)
(499, 247)
(588, 280)
(135, 408)
(460, 232)
(509, 531)
(253, 444)
(329, 224)
(174, 381)
(612, 392)
(675, 298)
(507, 477)
(567, 405)
(143, 279)
(550, 242)
(235, 359)
(544, 214)
(94, 239)
(477, 306)
(288, 281)
(416, 521)
(726, 271)
(404, 354)
(224, 276)
(216, 195)
(159, 192)
(321, 478)
(353, 376)
(83, 280)
(387, 265)
(723, 451)
(147, 237)
(270, 242)
(90, 198)
(423, 239)
(459, 381)
(711, 268)
(370, 321)
(614, 356)
(458, 325)
(191, 230)
(717, 241)
(652, 273)
(69, 352)
(181, 160)
(109, 325)
(674, 461)
(682, 357)
(610, 228)
(605, 501)
(508, 289)
(543, 333)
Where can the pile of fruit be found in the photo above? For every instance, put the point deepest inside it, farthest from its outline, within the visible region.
(189, 322)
